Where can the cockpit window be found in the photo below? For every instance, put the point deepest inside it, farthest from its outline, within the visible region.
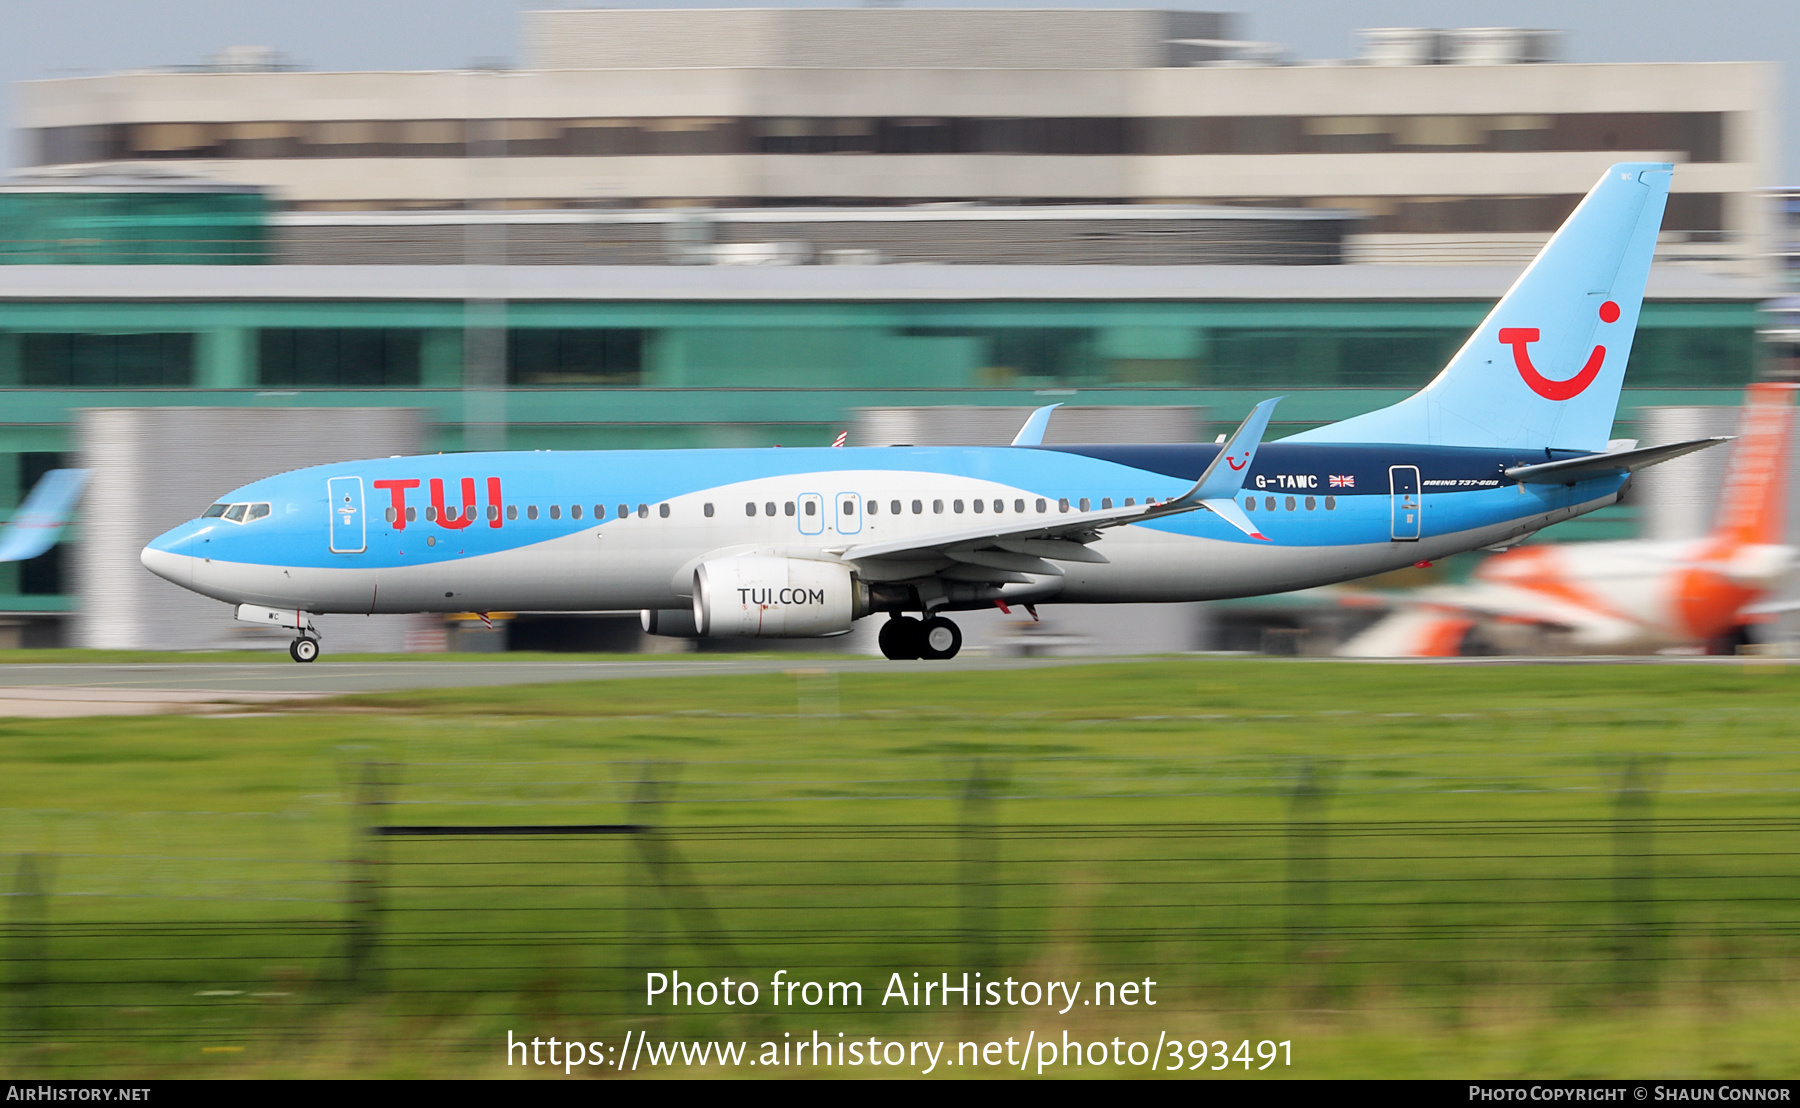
(238, 513)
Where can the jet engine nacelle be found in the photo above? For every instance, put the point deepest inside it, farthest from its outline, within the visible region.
(671, 623)
(761, 596)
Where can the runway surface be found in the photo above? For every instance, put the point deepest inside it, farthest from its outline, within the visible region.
(327, 678)
(154, 688)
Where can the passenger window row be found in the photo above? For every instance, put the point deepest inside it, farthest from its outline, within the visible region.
(810, 508)
(555, 511)
(1289, 503)
(956, 507)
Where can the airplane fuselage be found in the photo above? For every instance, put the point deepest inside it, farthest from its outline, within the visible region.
(620, 530)
(1643, 594)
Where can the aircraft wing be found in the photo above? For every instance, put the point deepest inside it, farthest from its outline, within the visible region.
(38, 523)
(1005, 551)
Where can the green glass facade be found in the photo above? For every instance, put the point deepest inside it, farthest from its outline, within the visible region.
(121, 227)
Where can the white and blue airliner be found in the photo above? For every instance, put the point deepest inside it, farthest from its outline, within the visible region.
(1510, 437)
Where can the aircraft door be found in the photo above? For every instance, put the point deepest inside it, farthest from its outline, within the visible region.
(349, 526)
(1407, 505)
(849, 513)
(812, 513)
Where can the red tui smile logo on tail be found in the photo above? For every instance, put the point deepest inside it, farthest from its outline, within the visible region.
(1520, 337)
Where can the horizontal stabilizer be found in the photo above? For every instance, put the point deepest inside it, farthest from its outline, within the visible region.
(1567, 471)
(38, 523)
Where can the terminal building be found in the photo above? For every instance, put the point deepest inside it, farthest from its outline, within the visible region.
(683, 228)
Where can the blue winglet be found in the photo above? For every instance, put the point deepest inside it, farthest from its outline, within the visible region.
(38, 523)
(1032, 434)
(1218, 487)
(1225, 476)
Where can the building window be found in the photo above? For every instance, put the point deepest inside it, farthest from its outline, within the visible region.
(571, 356)
(74, 361)
(338, 357)
(1694, 136)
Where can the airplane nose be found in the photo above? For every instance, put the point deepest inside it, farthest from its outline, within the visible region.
(170, 555)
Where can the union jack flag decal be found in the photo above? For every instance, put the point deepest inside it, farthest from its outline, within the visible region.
(1342, 482)
(839, 441)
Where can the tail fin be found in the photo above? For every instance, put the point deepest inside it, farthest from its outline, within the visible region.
(1751, 506)
(1545, 367)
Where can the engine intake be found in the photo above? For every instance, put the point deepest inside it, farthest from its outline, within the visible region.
(766, 597)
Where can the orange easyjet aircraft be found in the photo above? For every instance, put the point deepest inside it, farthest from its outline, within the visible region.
(1624, 597)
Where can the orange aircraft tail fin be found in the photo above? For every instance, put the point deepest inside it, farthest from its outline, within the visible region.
(1755, 493)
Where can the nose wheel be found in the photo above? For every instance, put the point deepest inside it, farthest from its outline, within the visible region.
(303, 649)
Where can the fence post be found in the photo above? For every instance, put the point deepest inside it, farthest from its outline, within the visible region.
(667, 873)
(366, 877)
(1634, 873)
(643, 909)
(978, 858)
(27, 953)
(1308, 875)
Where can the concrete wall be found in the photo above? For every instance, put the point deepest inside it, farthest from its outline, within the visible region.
(152, 468)
(967, 425)
(852, 37)
(1676, 500)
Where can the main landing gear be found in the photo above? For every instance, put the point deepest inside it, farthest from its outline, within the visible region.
(936, 638)
(303, 649)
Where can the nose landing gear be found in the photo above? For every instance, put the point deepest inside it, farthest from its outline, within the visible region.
(303, 649)
(904, 638)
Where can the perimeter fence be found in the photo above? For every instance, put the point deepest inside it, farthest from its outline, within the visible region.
(468, 893)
